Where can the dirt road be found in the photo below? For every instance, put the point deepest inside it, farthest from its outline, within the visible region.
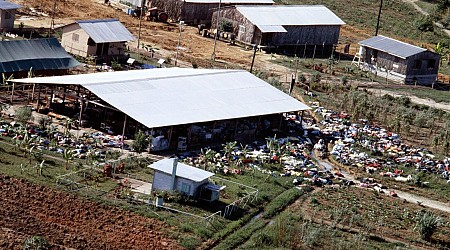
(415, 99)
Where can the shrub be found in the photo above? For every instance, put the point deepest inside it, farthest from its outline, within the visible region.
(36, 243)
(426, 224)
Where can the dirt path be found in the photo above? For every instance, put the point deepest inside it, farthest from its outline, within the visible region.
(445, 207)
(412, 198)
(415, 99)
(424, 12)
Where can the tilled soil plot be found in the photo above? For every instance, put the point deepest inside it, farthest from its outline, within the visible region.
(67, 221)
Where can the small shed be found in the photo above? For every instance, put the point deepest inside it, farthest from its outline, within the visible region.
(7, 15)
(297, 27)
(43, 56)
(398, 61)
(170, 175)
(103, 39)
(199, 11)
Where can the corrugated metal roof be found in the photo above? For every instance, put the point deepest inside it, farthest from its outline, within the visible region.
(290, 15)
(232, 1)
(39, 54)
(5, 5)
(392, 46)
(183, 170)
(173, 96)
(271, 28)
(106, 31)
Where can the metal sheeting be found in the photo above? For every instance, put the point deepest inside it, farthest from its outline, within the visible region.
(174, 96)
(290, 15)
(271, 28)
(183, 170)
(39, 54)
(106, 31)
(4, 5)
(232, 1)
(392, 46)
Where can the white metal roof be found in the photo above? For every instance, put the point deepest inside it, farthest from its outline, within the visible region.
(183, 170)
(173, 96)
(232, 1)
(271, 28)
(392, 46)
(288, 15)
(106, 31)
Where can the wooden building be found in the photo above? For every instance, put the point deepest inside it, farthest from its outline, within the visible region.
(105, 40)
(199, 11)
(398, 61)
(7, 15)
(292, 29)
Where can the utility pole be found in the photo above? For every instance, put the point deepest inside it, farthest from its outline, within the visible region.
(379, 16)
(253, 59)
(139, 30)
(179, 41)
(52, 23)
(213, 56)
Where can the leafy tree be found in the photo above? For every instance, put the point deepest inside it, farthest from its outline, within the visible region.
(426, 224)
(141, 142)
(226, 26)
(24, 114)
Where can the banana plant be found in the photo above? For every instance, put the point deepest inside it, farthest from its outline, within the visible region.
(68, 156)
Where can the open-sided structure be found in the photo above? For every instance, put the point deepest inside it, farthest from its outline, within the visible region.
(398, 61)
(102, 39)
(168, 97)
(42, 56)
(300, 26)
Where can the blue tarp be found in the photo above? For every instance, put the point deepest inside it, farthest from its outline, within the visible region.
(38, 54)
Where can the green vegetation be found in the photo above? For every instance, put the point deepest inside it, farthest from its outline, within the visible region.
(424, 93)
(427, 223)
(363, 15)
(239, 236)
(141, 142)
(281, 201)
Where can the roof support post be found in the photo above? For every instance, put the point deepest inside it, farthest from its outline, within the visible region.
(38, 98)
(12, 92)
(281, 120)
(301, 119)
(123, 130)
(170, 135)
(32, 92)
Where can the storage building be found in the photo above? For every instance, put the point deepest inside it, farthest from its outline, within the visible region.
(171, 175)
(294, 28)
(7, 15)
(105, 40)
(199, 11)
(398, 61)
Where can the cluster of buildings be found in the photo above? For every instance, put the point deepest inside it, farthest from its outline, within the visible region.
(181, 108)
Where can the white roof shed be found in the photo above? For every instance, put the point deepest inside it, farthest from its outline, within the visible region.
(273, 18)
(183, 170)
(174, 96)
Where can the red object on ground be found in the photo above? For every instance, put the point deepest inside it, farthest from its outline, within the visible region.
(393, 194)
